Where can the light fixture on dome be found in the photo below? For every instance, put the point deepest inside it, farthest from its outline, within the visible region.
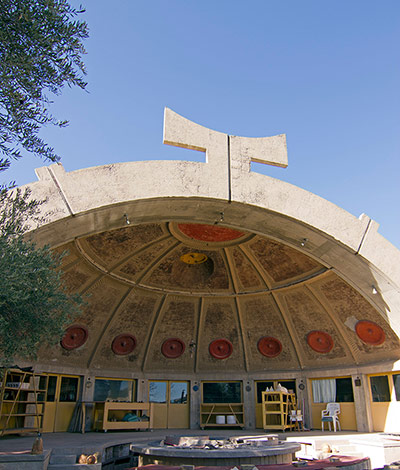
(374, 290)
(221, 218)
(304, 241)
(192, 347)
(127, 221)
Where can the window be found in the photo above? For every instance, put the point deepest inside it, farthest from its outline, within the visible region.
(158, 392)
(338, 390)
(222, 392)
(178, 392)
(51, 388)
(113, 389)
(380, 388)
(261, 386)
(344, 390)
(69, 389)
(396, 383)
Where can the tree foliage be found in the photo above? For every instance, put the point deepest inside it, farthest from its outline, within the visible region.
(40, 52)
(17, 211)
(35, 305)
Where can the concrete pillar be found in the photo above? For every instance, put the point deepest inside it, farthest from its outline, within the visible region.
(195, 400)
(304, 400)
(142, 390)
(362, 403)
(249, 404)
(88, 388)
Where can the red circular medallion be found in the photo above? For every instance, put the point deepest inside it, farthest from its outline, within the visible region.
(370, 332)
(209, 233)
(270, 347)
(173, 348)
(123, 344)
(320, 341)
(74, 337)
(220, 348)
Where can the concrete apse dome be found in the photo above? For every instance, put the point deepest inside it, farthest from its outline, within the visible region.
(208, 273)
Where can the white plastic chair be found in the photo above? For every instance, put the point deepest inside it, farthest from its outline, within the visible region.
(330, 415)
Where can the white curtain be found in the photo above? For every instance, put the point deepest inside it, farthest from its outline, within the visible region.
(324, 390)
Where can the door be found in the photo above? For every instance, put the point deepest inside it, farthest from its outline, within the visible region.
(178, 406)
(261, 386)
(333, 390)
(385, 401)
(158, 396)
(171, 406)
(61, 398)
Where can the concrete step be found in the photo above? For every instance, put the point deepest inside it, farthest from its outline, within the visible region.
(77, 450)
(331, 441)
(318, 448)
(62, 459)
(349, 448)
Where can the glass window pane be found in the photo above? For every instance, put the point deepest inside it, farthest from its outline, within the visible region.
(380, 388)
(178, 392)
(69, 389)
(222, 392)
(114, 390)
(344, 390)
(261, 387)
(158, 392)
(290, 385)
(51, 388)
(42, 382)
(324, 390)
(396, 383)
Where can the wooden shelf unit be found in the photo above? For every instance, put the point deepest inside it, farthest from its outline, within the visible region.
(109, 415)
(210, 411)
(22, 400)
(276, 410)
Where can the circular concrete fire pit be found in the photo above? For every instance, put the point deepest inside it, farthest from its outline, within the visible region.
(205, 451)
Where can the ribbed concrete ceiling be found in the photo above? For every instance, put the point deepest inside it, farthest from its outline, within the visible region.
(187, 298)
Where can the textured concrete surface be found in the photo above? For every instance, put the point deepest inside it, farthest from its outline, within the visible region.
(303, 264)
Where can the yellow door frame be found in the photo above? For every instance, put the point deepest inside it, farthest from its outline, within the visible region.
(171, 415)
(258, 405)
(347, 416)
(179, 413)
(385, 413)
(57, 414)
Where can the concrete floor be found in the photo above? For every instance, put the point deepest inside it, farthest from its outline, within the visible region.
(10, 443)
(369, 444)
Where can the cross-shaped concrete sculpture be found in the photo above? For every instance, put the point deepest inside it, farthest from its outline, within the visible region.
(221, 148)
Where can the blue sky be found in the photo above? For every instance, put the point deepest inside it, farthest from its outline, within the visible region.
(324, 72)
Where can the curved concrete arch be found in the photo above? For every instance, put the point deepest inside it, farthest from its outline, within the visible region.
(93, 200)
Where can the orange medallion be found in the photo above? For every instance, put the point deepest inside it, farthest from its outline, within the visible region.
(74, 337)
(269, 347)
(320, 341)
(220, 348)
(123, 344)
(173, 348)
(370, 332)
